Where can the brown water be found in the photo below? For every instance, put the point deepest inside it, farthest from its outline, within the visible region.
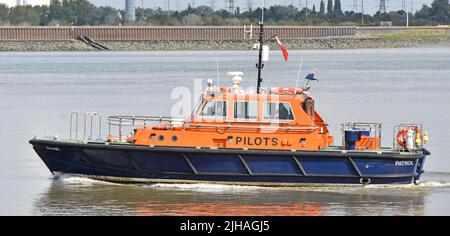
(38, 91)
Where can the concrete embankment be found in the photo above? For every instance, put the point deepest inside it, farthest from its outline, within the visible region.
(300, 44)
(155, 45)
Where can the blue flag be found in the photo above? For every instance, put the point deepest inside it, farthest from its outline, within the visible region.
(311, 75)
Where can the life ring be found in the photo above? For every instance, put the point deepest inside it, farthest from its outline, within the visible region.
(401, 136)
(160, 127)
(286, 90)
(124, 139)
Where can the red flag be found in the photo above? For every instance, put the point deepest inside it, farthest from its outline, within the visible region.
(283, 48)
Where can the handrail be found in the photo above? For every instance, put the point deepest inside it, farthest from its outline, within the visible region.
(399, 127)
(89, 121)
(366, 126)
(133, 121)
(143, 117)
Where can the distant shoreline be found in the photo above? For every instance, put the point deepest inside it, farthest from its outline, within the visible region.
(176, 45)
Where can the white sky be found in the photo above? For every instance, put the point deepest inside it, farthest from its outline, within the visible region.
(370, 6)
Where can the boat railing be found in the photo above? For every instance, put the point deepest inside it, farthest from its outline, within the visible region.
(400, 127)
(125, 124)
(122, 127)
(372, 127)
(85, 126)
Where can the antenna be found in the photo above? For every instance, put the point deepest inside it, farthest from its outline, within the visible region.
(299, 72)
(218, 74)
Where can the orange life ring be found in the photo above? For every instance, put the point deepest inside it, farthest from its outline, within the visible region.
(401, 136)
(286, 90)
(160, 127)
(125, 139)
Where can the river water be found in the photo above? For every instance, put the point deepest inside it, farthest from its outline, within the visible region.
(38, 90)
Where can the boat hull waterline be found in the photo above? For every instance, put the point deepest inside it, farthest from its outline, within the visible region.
(145, 164)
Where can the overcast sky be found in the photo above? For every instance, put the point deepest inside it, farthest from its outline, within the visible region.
(370, 6)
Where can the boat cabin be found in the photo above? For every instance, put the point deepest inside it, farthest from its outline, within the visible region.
(278, 119)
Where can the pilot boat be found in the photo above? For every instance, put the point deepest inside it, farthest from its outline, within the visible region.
(267, 137)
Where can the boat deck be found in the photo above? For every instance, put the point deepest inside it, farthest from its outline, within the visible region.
(341, 149)
(330, 149)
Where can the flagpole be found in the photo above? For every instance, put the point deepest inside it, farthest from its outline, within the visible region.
(260, 65)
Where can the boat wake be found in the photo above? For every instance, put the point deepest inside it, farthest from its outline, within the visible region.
(79, 180)
(336, 189)
(423, 185)
(433, 184)
(206, 187)
(223, 188)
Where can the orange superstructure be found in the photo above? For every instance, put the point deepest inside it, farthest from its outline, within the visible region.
(232, 118)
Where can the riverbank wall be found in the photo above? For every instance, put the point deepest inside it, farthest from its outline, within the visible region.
(169, 45)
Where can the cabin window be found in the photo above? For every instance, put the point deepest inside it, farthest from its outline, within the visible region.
(246, 110)
(308, 107)
(214, 109)
(278, 111)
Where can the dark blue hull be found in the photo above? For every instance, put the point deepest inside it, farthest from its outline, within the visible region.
(133, 163)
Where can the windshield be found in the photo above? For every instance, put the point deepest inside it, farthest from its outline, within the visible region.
(213, 108)
(278, 111)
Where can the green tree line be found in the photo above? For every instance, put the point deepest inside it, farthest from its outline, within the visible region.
(82, 12)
